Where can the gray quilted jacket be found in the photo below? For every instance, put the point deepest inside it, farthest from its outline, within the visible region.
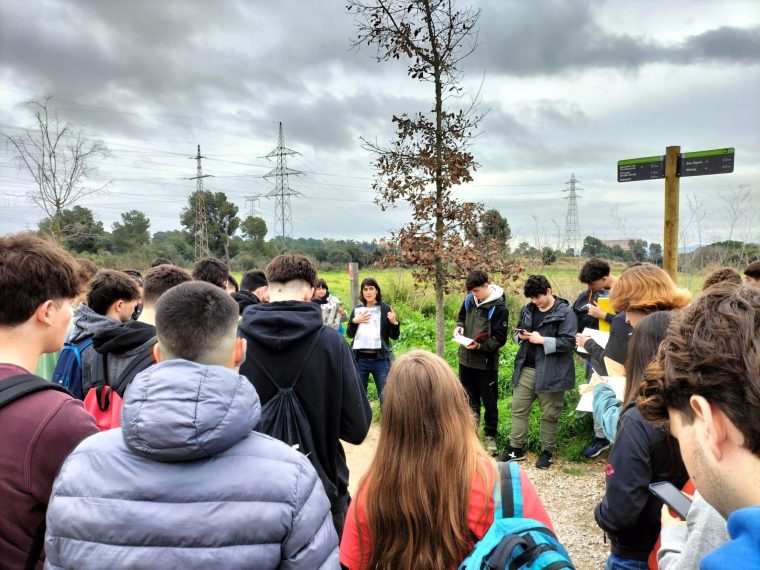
(186, 483)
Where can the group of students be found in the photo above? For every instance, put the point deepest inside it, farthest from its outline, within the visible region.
(189, 481)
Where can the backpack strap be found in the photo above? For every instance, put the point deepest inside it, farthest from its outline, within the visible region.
(100, 370)
(467, 301)
(260, 366)
(138, 364)
(508, 499)
(490, 313)
(16, 387)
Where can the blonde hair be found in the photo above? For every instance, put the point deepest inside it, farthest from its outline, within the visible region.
(646, 288)
(417, 489)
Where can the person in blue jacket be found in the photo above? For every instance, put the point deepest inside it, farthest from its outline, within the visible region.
(705, 386)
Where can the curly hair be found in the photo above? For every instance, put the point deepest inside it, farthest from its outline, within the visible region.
(720, 275)
(646, 288)
(712, 350)
(593, 270)
(536, 285)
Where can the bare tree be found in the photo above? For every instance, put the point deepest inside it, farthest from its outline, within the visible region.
(430, 155)
(59, 160)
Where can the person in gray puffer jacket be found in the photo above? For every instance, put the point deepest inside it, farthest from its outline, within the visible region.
(186, 482)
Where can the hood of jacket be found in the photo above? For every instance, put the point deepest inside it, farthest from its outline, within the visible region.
(181, 411)
(245, 299)
(279, 325)
(496, 294)
(87, 322)
(124, 338)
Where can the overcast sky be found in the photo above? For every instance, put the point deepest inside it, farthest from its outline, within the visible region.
(571, 87)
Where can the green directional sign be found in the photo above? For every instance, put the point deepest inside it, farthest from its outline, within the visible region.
(647, 168)
(717, 161)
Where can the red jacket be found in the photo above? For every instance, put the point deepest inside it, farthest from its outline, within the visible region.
(38, 432)
(351, 555)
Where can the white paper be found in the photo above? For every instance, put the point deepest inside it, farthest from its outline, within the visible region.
(600, 337)
(368, 334)
(617, 383)
(463, 340)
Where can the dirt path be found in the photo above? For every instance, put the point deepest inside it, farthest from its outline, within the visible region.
(569, 491)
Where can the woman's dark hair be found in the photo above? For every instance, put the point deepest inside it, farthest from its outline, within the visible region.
(370, 282)
(642, 350)
(536, 285)
(322, 284)
(232, 281)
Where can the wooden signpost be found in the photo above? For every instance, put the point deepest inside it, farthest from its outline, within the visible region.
(672, 166)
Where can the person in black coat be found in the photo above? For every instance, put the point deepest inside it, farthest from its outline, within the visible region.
(373, 357)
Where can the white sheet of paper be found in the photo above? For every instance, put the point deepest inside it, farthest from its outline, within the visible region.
(617, 383)
(463, 340)
(368, 334)
(600, 337)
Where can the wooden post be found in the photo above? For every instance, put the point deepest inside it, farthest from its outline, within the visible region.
(353, 275)
(670, 233)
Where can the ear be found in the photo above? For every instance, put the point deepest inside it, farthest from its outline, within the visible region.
(45, 312)
(308, 294)
(157, 353)
(238, 354)
(714, 430)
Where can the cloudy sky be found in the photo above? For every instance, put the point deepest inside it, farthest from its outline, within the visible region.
(570, 87)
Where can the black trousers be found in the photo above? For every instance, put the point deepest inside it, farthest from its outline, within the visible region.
(482, 385)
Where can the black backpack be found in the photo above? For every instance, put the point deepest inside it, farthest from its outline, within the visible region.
(284, 418)
(12, 389)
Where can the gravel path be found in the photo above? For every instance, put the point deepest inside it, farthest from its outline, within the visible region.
(569, 491)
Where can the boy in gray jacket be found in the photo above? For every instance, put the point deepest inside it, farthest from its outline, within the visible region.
(186, 482)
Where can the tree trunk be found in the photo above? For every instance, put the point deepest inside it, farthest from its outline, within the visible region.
(440, 281)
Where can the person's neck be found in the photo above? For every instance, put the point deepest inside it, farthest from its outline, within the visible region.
(745, 487)
(19, 349)
(549, 306)
(148, 315)
(370, 304)
(612, 281)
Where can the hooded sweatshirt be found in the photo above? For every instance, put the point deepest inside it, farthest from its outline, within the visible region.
(329, 391)
(186, 483)
(85, 324)
(121, 344)
(488, 320)
(743, 550)
(245, 299)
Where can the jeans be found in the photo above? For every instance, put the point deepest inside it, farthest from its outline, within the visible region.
(378, 367)
(617, 563)
(482, 385)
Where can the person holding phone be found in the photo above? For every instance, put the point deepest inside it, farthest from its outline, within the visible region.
(373, 359)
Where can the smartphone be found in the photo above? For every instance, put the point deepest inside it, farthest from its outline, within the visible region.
(520, 331)
(671, 496)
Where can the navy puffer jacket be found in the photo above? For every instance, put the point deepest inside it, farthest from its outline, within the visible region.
(186, 483)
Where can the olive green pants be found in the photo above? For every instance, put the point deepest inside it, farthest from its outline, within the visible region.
(550, 403)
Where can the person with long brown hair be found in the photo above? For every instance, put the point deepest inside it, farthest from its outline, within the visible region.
(428, 494)
(641, 454)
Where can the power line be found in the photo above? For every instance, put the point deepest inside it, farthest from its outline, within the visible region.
(283, 217)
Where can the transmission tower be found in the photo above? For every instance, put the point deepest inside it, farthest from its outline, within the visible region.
(572, 229)
(253, 203)
(283, 218)
(201, 230)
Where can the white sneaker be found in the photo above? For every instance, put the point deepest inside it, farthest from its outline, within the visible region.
(490, 445)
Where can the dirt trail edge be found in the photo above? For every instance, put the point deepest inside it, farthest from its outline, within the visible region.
(569, 491)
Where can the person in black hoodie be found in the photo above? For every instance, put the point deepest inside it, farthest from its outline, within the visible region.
(253, 290)
(642, 454)
(279, 334)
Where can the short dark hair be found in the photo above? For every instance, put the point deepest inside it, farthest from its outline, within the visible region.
(476, 278)
(203, 308)
(753, 270)
(87, 270)
(536, 285)
(135, 274)
(211, 270)
(232, 281)
(370, 282)
(291, 267)
(162, 278)
(712, 350)
(33, 271)
(253, 279)
(727, 274)
(109, 286)
(160, 261)
(593, 270)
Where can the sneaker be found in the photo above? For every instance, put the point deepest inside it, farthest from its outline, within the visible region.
(544, 460)
(490, 445)
(512, 454)
(596, 447)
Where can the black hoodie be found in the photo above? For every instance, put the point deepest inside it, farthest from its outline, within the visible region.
(278, 334)
(245, 299)
(122, 344)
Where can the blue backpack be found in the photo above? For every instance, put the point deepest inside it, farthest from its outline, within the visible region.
(68, 371)
(513, 542)
(468, 301)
